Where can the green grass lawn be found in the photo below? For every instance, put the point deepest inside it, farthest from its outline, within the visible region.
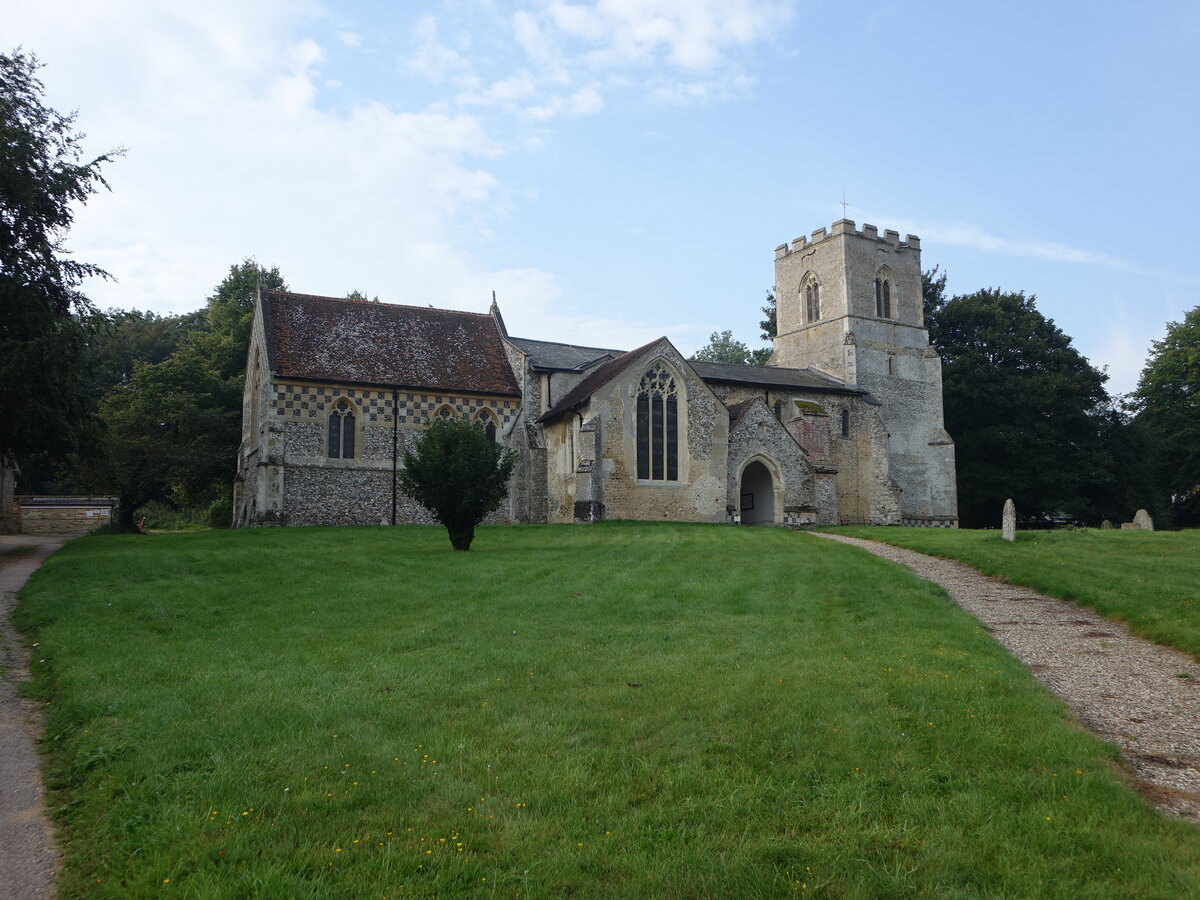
(1147, 579)
(616, 710)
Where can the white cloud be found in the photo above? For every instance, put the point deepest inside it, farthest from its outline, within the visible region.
(680, 52)
(961, 234)
(433, 59)
(231, 153)
(583, 102)
(690, 34)
(236, 148)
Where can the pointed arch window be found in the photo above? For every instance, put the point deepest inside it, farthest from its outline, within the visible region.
(341, 430)
(883, 297)
(812, 302)
(487, 422)
(658, 426)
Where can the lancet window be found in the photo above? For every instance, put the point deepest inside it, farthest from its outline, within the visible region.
(341, 430)
(658, 426)
(883, 297)
(812, 302)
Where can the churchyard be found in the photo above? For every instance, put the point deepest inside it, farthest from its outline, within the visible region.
(618, 710)
(1148, 580)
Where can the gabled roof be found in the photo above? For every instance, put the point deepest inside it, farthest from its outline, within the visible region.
(562, 357)
(552, 356)
(595, 380)
(384, 344)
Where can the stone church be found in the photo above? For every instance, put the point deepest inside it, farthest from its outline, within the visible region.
(844, 425)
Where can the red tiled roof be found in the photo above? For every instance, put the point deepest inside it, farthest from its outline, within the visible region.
(350, 341)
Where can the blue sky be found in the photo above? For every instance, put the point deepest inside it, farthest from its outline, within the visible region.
(617, 170)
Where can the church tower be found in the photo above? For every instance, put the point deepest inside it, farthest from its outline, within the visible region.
(849, 304)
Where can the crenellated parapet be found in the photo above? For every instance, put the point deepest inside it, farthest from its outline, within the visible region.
(846, 227)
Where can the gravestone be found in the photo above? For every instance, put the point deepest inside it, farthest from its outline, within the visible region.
(1107, 523)
(1009, 522)
(1142, 520)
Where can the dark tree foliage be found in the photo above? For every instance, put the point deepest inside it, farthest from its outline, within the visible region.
(933, 292)
(1168, 403)
(459, 474)
(1019, 403)
(162, 437)
(769, 325)
(42, 337)
(119, 339)
(172, 426)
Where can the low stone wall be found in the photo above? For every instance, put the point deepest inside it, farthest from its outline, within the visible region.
(66, 515)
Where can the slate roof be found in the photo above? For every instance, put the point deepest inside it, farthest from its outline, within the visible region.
(562, 357)
(770, 376)
(737, 411)
(548, 355)
(595, 380)
(384, 344)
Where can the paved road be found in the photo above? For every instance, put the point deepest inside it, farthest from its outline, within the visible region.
(27, 853)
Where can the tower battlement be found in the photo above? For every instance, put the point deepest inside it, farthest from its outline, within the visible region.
(846, 226)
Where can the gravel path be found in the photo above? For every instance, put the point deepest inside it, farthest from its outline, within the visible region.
(27, 854)
(1141, 696)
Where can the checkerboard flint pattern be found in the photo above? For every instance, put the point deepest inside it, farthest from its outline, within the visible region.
(306, 401)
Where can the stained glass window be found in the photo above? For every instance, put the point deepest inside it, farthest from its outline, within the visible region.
(658, 426)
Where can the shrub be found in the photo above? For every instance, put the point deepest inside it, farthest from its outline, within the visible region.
(459, 474)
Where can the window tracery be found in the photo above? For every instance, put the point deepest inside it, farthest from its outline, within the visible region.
(658, 425)
(341, 430)
(487, 422)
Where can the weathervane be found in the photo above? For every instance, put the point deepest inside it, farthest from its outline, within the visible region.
(844, 203)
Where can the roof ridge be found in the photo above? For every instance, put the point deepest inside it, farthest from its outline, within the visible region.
(567, 344)
(385, 303)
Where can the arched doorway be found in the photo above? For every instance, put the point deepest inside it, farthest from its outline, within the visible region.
(757, 495)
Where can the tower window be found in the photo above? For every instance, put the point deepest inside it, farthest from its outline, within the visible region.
(341, 431)
(883, 297)
(812, 302)
(658, 426)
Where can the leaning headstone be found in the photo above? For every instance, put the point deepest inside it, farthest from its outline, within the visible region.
(1009, 522)
(1142, 520)
(1107, 523)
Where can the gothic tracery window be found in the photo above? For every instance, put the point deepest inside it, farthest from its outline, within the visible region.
(658, 426)
(485, 421)
(341, 430)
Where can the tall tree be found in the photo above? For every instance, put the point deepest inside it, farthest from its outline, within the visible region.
(42, 337)
(723, 347)
(171, 430)
(1168, 401)
(933, 292)
(119, 339)
(1019, 403)
(162, 437)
